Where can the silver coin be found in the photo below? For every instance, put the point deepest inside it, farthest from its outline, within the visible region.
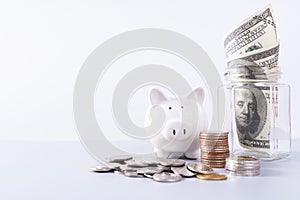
(243, 166)
(199, 168)
(166, 177)
(214, 134)
(243, 163)
(172, 162)
(166, 169)
(241, 169)
(244, 171)
(136, 163)
(150, 170)
(255, 173)
(228, 165)
(102, 169)
(125, 167)
(235, 160)
(132, 173)
(235, 168)
(242, 159)
(148, 175)
(118, 172)
(113, 165)
(118, 159)
(150, 161)
(183, 171)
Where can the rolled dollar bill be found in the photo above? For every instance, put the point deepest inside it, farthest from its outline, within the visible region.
(252, 51)
(252, 121)
(256, 32)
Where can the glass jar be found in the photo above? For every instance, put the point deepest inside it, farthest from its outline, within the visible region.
(257, 111)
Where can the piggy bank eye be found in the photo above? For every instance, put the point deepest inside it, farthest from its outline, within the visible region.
(170, 108)
(181, 106)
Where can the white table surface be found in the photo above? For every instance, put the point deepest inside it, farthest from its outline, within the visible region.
(61, 170)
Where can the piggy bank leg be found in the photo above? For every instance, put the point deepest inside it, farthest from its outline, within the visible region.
(161, 153)
(192, 154)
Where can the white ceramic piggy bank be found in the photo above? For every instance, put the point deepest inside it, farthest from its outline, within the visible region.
(180, 132)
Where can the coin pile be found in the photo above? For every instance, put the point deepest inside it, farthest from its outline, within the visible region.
(158, 169)
(243, 166)
(214, 148)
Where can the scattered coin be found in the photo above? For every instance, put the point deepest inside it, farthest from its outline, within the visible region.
(171, 170)
(136, 163)
(118, 159)
(183, 171)
(200, 168)
(125, 167)
(150, 170)
(113, 165)
(172, 162)
(166, 177)
(150, 161)
(148, 175)
(118, 172)
(102, 169)
(132, 173)
(213, 176)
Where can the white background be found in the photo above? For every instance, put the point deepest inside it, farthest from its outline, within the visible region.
(44, 43)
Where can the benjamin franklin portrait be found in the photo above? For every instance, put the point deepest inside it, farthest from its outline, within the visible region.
(250, 111)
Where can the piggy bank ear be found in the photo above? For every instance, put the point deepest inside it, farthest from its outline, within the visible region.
(156, 96)
(198, 94)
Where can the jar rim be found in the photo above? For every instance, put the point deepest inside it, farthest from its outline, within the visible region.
(253, 73)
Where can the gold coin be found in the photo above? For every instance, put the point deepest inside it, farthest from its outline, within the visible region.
(213, 177)
(246, 158)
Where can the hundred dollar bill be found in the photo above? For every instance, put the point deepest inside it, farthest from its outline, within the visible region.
(262, 57)
(266, 61)
(256, 32)
(252, 121)
(252, 52)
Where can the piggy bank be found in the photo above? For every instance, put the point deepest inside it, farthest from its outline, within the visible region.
(184, 119)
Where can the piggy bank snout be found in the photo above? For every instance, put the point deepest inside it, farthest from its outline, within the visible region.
(178, 130)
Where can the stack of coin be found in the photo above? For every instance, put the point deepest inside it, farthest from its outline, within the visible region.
(214, 148)
(243, 166)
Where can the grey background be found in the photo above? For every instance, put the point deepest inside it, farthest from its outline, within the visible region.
(44, 44)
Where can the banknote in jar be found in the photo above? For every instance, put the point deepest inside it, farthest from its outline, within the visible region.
(252, 107)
